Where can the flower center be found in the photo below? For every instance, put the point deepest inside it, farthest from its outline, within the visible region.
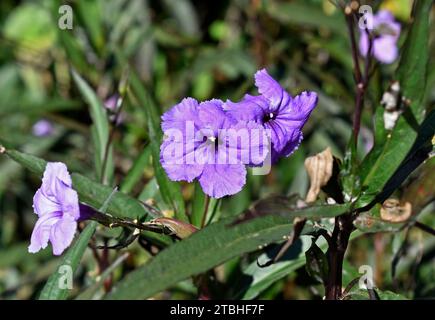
(213, 140)
(268, 116)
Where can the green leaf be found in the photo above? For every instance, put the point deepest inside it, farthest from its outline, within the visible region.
(198, 205)
(208, 248)
(90, 192)
(17, 254)
(411, 75)
(362, 294)
(54, 289)
(30, 25)
(288, 206)
(370, 222)
(90, 14)
(184, 12)
(419, 153)
(306, 15)
(136, 172)
(31, 107)
(316, 263)
(100, 128)
(203, 250)
(90, 292)
(261, 278)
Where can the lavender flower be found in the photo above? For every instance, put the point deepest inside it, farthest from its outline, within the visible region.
(111, 105)
(43, 128)
(277, 111)
(386, 33)
(57, 206)
(204, 142)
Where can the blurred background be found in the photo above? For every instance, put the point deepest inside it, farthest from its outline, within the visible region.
(180, 48)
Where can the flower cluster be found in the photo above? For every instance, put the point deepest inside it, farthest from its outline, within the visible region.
(57, 206)
(214, 141)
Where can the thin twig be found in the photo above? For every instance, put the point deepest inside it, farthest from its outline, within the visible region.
(361, 80)
(350, 26)
(110, 139)
(424, 228)
(122, 89)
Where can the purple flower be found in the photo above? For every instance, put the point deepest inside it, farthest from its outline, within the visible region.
(386, 33)
(43, 128)
(57, 206)
(279, 113)
(203, 142)
(111, 105)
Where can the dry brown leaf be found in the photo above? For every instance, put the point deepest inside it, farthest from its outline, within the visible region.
(393, 211)
(319, 168)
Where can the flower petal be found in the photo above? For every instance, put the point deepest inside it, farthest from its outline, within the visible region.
(41, 231)
(212, 116)
(295, 139)
(221, 180)
(43, 205)
(54, 171)
(271, 89)
(387, 32)
(302, 105)
(251, 108)
(176, 117)
(69, 200)
(62, 234)
(385, 50)
(278, 134)
(178, 160)
(246, 143)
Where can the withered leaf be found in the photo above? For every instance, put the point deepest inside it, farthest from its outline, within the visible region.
(319, 168)
(393, 211)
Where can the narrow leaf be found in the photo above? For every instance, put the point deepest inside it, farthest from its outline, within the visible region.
(206, 249)
(55, 288)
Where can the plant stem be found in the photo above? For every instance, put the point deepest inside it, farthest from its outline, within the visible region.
(337, 248)
(424, 228)
(350, 25)
(361, 80)
(119, 106)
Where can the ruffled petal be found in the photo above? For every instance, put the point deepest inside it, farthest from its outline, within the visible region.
(295, 139)
(222, 180)
(55, 171)
(385, 50)
(41, 231)
(251, 108)
(301, 106)
(69, 200)
(278, 135)
(179, 161)
(246, 143)
(271, 89)
(62, 234)
(43, 204)
(212, 116)
(176, 117)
